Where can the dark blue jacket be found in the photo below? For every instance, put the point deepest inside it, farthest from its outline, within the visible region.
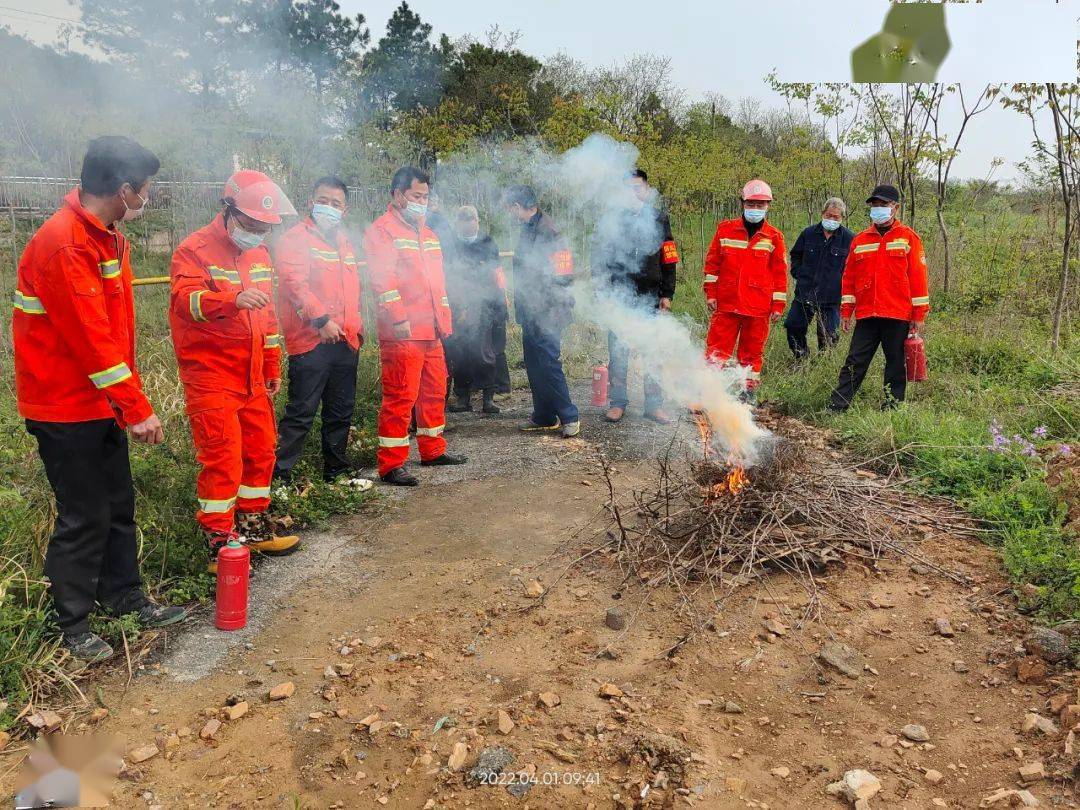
(817, 264)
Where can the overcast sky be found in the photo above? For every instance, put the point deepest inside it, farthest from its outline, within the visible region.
(727, 48)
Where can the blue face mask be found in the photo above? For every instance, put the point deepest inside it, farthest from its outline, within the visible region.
(830, 224)
(246, 240)
(416, 211)
(754, 215)
(326, 216)
(880, 214)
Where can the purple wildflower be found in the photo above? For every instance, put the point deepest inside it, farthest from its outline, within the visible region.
(1039, 432)
(1065, 450)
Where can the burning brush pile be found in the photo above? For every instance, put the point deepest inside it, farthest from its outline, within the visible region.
(709, 523)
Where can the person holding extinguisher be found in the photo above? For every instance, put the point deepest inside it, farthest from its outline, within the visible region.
(884, 292)
(228, 347)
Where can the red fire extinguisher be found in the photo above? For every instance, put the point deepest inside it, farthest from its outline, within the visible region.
(599, 385)
(915, 358)
(234, 567)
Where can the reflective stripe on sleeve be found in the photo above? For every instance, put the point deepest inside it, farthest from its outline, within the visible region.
(391, 441)
(195, 305)
(430, 431)
(847, 299)
(216, 507)
(921, 301)
(444, 301)
(253, 492)
(710, 279)
(28, 304)
(779, 296)
(273, 342)
(389, 296)
(753, 375)
(109, 269)
(110, 376)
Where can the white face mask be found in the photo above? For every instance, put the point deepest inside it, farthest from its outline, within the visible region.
(414, 211)
(326, 216)
(246, 240)
(134, 213)
(830, 224)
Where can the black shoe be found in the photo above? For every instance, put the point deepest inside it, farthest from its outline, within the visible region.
(400, 477)
(154, 615)
(460, 405)
(489, 405)
(90, 648)
(445, 460)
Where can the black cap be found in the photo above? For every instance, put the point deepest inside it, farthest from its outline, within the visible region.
(884, 192)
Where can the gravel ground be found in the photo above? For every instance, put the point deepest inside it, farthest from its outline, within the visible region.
(495, 447)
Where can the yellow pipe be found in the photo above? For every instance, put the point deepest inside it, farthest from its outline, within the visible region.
(165, 279)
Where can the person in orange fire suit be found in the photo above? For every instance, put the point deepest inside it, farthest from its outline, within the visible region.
(228, 348)
(885, 292)
(745, 284)
(78, 389)
(405, 263)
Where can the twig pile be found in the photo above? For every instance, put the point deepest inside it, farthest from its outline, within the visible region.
(796, 514)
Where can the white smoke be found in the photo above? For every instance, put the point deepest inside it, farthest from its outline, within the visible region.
(589, 184)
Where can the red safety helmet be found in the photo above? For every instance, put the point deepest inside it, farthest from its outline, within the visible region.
(757, 190)
(254, 194)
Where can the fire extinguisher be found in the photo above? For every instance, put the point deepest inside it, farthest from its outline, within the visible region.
(234, 567)
(600, 386)
(915, 358)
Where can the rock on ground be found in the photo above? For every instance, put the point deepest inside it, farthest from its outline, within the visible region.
(842, 658)
(856, 785)
(1047, 644)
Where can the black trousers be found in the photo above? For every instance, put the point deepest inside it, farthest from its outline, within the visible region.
(801, 313)
(472, 356)
(869, 334)
(327, 375)
(502, 368)
(92, 554)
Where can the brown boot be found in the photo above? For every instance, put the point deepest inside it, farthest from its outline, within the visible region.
(660, 416)
(614, 414)
(258, 531)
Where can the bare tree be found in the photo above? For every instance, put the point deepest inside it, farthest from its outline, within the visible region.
(944, 149)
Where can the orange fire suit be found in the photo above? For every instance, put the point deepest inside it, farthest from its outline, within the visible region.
(316, 280)
(74, 323)
(226, 356)
(746, 278)
(406, 269)
(885, 276)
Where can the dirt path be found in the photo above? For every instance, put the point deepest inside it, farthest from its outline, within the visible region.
(422, 619)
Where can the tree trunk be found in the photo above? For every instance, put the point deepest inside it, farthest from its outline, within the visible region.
(945, 244)
(1063, 285)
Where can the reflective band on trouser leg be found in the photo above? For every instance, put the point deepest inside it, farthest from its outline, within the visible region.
(847, 299)
(431, 402)
(921, 301)
(709, 279)
(753, 332)
(273, 342)
(110, 376)
(258, 444)
(402, 361)
(779, 296)
(720, 341)
(216, 435)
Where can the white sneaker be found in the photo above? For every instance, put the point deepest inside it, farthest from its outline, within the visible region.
(571, 429)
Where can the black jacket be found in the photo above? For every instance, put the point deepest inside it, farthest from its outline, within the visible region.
(817, 264)
(473, 282)
(635, 251)
(543, 273)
